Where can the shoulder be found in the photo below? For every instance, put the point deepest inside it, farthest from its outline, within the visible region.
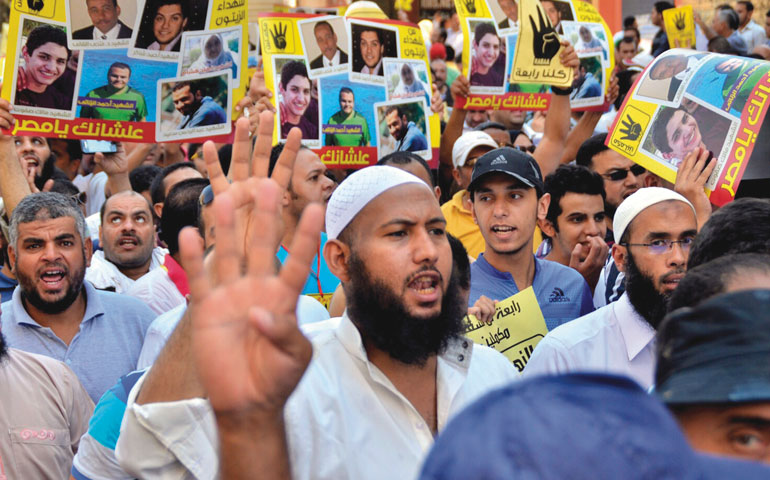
(116, 304)
(581, 330)
(83, 33)
(562, 272)
(490, 361)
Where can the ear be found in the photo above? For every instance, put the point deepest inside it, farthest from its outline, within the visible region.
(542, 206)
(12, 258)
(89, 246)
(547, 227)
(437, 191)
(24, 52)
(158, 207)
(285, 198)
(456, 175)
(336, 255)
(652, 180)
(619, 254)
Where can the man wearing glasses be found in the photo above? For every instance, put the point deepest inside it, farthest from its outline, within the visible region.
(653, 229)
(470, 146)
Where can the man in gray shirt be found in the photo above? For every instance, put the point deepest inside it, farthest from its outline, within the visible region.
(53, 312)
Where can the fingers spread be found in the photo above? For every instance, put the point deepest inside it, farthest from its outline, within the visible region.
(263, 240)
(219, 183)
(191, 253)
(263, 145)
(227, 262)
(239, 164)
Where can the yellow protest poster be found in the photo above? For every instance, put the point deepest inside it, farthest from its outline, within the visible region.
(537, 49)
(685, 100)
(358, 89)
(516, 330)
(680, 27)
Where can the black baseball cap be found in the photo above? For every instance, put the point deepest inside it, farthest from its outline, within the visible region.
(716, 352)
(511, 161)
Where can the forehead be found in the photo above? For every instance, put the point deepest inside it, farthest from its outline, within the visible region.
(120, 71)
(676, 119)
(126, 204)
(573, 202)
(173, 9)
(501, 181)
(610, 159)
(181, 91)
(48, 226)
(411, 202)
(490, 38)
(53, 49)
(346, 95)
(369, 35)
(98, 3)
(672, 217)
(299, 81)
(321, 28)
(307, 160)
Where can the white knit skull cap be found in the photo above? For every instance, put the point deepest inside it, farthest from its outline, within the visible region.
(638, 201)
(360, 188)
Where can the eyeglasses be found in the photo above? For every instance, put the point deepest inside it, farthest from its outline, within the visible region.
(470, 162)
(661, 246)
(525, 148)
(618, 175)
(78, 198)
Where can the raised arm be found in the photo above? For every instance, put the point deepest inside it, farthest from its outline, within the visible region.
(13, 182)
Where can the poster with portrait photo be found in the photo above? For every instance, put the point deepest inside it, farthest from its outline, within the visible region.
(325, 43)
(488, 58)
(193, 107)
(676, 131)
(158, 29)
(407, 79)
(347, 112)
(664, 80)
(211, 51)
(402, 126)
(101, 24)
(297, 99)
(588, 39)
(588, 85)
(46, 72)
(506, 16)
(369, 43)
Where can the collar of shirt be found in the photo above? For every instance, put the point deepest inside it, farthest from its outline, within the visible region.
(334, 61)
(94, 307)
(637, 333)
(490, 270)
(176, 274)
(372, 71)
(112, 34)
(452, 368)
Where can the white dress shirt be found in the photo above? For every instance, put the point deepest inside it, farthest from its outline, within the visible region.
(334, 61)
(613, 339)
(753, 34)
(372, 71)
(157, 291)
(104, 274)
(112, 34)
(345, 419)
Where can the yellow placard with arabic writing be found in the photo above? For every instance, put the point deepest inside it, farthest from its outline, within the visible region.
(537, 49)
(517, 328)
(680, 27)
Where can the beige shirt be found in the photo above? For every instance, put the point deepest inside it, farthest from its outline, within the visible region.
(44, 410)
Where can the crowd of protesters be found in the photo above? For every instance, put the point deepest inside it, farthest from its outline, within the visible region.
(239, 311)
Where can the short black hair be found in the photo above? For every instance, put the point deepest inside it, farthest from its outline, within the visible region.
(157, 188)
(292, 69)
(660, 7)
(627, 39)
(711, 278)
(396, 108)
(484, 28)
(346, 90)
(591, 148)
(180, 209)
(119, 65)
(160, 3)
(570, 179)
(275, 153)
(659, 133)
(322, 23)
(405, 158)
(142, 176)
(629, 21)
(462, 266)
(65, 187)
(43, 34)
(741, 226)
(377, 31)
(749, 6)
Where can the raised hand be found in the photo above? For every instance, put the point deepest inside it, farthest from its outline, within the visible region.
(483, 309)
(691, 178)
(546, 41)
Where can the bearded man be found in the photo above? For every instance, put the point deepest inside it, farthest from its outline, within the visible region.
(654, 229)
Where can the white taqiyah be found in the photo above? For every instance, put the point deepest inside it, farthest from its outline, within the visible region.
(637, 202)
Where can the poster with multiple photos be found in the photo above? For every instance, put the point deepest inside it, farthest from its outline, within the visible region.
(137, 71)
(358, 89)
(687, 99)
(508, 76)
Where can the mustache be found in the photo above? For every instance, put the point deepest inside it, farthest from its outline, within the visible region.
(131, 236)
(421, 271)
(666, 276)
(58, 265)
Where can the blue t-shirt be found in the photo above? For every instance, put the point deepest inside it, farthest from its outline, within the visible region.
(209, 113)
(413, 141)
(106, 347)
(321, 283)
(561, 292)
(6, 287)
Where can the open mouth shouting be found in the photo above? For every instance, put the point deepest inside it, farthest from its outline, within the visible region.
(503, 231)
(128, 242)
(53, 278)
(425, 286)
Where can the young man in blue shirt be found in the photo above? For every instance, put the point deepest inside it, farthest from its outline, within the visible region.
(508, 197)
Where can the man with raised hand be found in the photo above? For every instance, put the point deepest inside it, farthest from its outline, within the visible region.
(396, 352)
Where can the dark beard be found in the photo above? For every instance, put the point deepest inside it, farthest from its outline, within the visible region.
(29, 293)
(645, 298)
(380, 316)
(3, 347)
